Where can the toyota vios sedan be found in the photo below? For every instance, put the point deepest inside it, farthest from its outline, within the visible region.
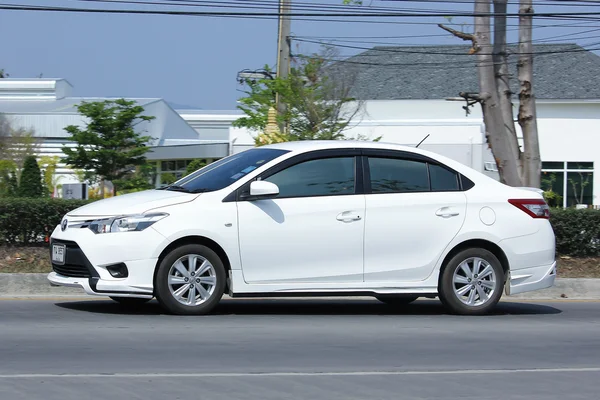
(312, 219)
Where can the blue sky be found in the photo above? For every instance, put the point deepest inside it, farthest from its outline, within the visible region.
(194, 60)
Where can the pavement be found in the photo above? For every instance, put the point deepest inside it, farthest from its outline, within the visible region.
(343, 349)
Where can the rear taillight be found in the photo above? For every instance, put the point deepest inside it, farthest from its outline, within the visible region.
(536, 208)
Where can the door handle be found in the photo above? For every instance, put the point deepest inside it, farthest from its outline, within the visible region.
(348, 216)
(446, 212)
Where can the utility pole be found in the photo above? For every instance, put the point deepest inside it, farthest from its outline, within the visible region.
(283, 52)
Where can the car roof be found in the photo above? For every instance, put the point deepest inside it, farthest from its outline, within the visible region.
(303, 146)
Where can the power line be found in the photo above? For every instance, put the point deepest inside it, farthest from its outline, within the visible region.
(302, 14)
(556, 38)
(406, 51)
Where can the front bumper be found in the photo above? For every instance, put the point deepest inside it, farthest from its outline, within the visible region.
(530, 279)
(89, 257)
(90, 286)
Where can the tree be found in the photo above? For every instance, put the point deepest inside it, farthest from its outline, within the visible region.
(109, 144)
(3, 74)
(195, 165)
(8, 179)
(49, 166)
(16, 144)
(142, 178)
(532, 162)
(317, 103)
(31, 179)
(516, 167)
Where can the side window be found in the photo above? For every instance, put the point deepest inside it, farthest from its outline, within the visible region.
(392, 175)
(443, 179)
(320, 177)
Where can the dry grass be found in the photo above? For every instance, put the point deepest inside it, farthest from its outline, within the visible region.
(37, 259)
(25, 259)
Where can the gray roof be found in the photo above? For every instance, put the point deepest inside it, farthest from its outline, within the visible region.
(561, 71)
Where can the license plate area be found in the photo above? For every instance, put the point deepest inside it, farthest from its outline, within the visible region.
(58, 254)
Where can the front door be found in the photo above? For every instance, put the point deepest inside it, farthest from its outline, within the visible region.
(312, 232)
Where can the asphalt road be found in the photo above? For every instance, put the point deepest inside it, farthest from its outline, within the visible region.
(298, 349)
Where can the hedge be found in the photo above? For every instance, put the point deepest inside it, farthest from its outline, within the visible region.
(30, 220)
(27, 221)
(577, 231)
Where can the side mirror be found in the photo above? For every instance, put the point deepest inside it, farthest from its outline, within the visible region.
(263, 190)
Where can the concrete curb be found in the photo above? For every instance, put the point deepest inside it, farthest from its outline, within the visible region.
(37, 285)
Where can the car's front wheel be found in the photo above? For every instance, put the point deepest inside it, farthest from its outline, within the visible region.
(472, 282)
(190, 280)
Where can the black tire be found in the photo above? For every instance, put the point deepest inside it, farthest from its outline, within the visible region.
(130, 301)
(446, 286)
(161, 286)
(397, 300)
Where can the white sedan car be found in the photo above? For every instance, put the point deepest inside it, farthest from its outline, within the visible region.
(313, 219)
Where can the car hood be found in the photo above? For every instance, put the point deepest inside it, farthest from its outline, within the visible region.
(133, 203)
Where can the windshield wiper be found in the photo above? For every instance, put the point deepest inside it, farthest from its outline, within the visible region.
(178, 188)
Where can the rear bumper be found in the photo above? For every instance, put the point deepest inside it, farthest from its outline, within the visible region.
(530, 279)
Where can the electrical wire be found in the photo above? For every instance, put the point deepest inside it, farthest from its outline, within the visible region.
(406, 51)
(550, 15)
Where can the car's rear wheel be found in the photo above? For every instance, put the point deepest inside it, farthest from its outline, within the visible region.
(472, 282)
(190, 280)
(130, 301)
(397, 300)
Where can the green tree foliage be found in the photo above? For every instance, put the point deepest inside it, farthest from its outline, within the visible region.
(167, 178)
(142, 178)
(195, 165)
(49, 165)
(8, 179)
(109, 145)
(31, 179)
(16, 144)
(318, 102)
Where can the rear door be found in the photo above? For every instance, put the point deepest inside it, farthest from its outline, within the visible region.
(415, 207)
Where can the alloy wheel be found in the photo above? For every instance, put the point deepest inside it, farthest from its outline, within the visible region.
(474, 282)
(192, 280)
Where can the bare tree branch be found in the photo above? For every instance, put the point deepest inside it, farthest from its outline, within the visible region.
(464, 36)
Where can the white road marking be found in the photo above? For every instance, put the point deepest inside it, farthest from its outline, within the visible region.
(301, 374)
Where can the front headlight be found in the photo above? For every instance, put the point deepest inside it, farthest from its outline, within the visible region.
(128, 223)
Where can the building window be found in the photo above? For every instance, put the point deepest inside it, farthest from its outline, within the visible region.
(571, 182)
(172, 170)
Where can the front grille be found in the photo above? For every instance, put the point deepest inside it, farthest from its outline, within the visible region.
(76, 263)
(73, 271)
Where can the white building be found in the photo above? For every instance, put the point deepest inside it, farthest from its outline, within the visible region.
(46, 107)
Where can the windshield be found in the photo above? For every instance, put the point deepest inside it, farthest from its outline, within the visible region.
(222, 173)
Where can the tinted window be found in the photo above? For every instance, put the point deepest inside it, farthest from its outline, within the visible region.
(222, 173)
(390, 175)
(321, 177)
(442, 179)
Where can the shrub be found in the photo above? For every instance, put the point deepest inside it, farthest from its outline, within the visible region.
(31, 179)
(8, 179)
(29, 220)
(195, 165)
(577, 231)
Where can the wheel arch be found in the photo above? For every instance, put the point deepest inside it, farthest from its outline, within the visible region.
(479, 244)
(201, 240)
